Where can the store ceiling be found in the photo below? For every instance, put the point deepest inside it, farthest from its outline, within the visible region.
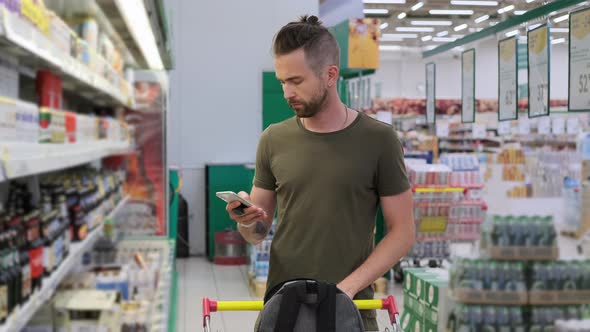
(429, 23)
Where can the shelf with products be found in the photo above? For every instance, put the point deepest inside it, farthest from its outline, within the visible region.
(33, 47)
(18, 320)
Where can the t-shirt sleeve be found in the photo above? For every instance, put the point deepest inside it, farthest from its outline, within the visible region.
(392, 178)
(263, 177)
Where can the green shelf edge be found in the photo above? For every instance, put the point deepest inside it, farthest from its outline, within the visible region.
(502, 26)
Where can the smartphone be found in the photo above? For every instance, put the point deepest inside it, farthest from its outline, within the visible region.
(230, 196)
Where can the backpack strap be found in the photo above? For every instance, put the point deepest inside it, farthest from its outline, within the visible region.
(326, 310)
(292, 297)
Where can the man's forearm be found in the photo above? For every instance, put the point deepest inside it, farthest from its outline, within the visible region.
(257, 232)
(389, 251)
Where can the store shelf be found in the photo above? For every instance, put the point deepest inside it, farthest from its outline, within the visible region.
(21, 317)
(466, 220)
(19, 38)
(24, 159)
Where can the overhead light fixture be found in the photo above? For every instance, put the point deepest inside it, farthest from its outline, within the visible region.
(482, 19)
(387, 36)
(429, 47)
(473, 3)
(519, 12)
(553, 13)
(493, 23)
(512, 33)
(385, 2)
(402, 16)
(444, 39)
(435, 23)
(442, 33)
(560, 30)
(561, 18)
(460, 27)
(414, 29)
(534, 26)
(479, 29)
(389, 48)
(529, 1)
(417, 6)
(427, 38)
(384, 26)
(558, 41)
(506, 9)
(136, 17)
(451, 12)
(375, 11)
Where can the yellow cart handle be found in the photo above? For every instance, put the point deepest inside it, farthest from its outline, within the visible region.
(210, 306)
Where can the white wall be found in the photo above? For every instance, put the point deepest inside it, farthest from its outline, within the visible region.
(220, 49)
(402, 74)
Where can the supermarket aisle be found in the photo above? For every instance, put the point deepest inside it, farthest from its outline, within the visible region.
(198, 278)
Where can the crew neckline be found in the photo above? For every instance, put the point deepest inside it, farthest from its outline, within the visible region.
(345, 129)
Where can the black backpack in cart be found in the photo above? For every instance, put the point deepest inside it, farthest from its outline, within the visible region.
(309, 306)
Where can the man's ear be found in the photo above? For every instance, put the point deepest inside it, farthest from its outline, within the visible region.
(333, 74)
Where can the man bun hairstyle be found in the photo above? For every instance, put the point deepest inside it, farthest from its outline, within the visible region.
(320, 47)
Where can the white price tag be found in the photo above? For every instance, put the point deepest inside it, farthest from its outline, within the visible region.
(573, 125)
(504, 128)
(558, 126)
(524, 126)
(545, 125)
(442, 129)
(478, 130)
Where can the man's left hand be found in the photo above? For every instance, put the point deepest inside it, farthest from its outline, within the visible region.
(346, 290)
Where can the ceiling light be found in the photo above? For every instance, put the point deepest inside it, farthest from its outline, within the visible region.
(473, 3)
(451, 12)
(389, 48)
(429, 47)
(553, 13)
(427, 38)
(388, 2)
(384, 26)
(493, 23)
(436, 23)
(402, 15)
(442, 33)
(444, 39)
(460, 27)
(375, 11)
(482, 19)
(414, 29)
(558, 41)
(386, 36)
(561, 18)
(512, 33)
(519, 12)
(534, 26)
(136, 17)
(529, 1)
(418, 6)
(505, 9)
(560, 30)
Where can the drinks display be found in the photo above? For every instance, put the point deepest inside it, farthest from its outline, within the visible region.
(530, 231)
(488, 275)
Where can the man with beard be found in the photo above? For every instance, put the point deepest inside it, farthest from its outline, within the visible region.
(326, 170)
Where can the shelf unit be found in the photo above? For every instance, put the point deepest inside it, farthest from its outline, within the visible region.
(21, 317)
(24, 159)
(19, 38)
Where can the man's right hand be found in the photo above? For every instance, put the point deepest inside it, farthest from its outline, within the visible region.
(251, 214)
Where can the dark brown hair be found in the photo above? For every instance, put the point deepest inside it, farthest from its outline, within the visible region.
(320, 47)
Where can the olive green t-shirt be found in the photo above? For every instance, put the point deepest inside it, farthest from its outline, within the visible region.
(328, 187)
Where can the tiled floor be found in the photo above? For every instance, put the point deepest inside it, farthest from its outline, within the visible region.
(197, 278)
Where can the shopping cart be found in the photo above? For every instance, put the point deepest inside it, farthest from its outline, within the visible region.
(210, 306)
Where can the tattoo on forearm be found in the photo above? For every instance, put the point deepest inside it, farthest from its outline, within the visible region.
(260, 230)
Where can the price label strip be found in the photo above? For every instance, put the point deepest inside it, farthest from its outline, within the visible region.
(508, 79)
(539, 55)
(579, 61)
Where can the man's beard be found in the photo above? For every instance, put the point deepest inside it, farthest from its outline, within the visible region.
(311, 108)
